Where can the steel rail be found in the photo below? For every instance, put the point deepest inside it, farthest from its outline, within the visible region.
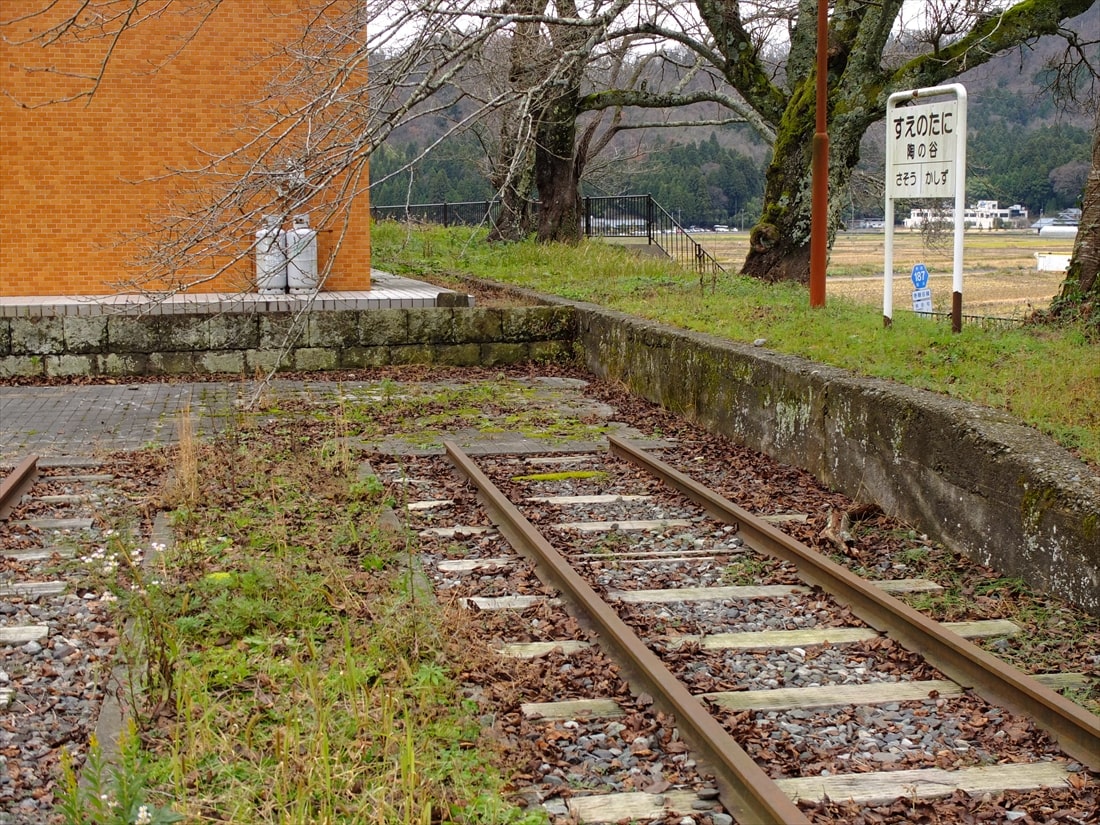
(16, 483)
(744, 788)
(1076, 730)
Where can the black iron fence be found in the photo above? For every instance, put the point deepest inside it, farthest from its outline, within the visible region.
(979, 321)
(467, 213)
(628, 216)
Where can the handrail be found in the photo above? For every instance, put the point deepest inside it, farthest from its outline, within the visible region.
(679, 245)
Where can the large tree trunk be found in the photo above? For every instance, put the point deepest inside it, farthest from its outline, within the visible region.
(511, 174)
(513, 183)
(512, 178)
(779, 245)
(557, 174)
(514, 220)
(1080, 294)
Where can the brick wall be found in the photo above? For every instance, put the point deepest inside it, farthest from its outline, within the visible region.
(77, 178)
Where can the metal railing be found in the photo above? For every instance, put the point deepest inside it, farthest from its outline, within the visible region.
(641, 216)
(465, 213)
(979, 321)
(627, 216)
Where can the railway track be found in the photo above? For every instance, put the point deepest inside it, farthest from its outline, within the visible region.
(57, 637)
(733, 681)
(800, 688)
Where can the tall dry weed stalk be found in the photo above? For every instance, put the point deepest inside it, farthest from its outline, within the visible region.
(184, 490)
(337, 452)
(342, 427)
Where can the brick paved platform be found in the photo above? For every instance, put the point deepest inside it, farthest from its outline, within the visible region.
(84, 419)
(67, 422)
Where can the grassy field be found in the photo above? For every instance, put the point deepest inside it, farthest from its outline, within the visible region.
(1000, 277)
(1048, 377)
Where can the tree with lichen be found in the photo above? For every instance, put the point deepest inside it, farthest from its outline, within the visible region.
(1076, 85)
(572, 70)
(544, 64)
(1079, 298)
(872, 54)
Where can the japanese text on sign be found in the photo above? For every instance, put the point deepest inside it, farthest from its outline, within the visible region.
(922, 301)
(923, 139)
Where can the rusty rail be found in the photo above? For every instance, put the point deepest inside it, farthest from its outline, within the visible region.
(745, 789)
(1077, 730)
(16, 484)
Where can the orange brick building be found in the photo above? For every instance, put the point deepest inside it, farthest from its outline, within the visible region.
(80, 179)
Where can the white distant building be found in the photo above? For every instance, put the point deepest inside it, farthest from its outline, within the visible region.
(1062, 225)
(982, 215)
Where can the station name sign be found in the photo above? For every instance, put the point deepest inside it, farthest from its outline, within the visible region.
(923, 140)
(925, 159)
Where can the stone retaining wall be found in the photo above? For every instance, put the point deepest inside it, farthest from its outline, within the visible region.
(970, 477)
(244, 343)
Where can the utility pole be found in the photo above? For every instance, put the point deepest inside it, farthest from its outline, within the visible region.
(819, 224)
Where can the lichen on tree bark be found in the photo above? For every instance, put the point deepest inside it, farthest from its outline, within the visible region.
(1079, 297)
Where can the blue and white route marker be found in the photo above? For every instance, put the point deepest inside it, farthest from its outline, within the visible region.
(920, 276)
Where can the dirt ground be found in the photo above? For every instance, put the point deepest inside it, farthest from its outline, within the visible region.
(994, 294)
(1000, 274)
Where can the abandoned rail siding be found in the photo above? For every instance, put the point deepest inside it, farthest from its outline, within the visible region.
(968, 476)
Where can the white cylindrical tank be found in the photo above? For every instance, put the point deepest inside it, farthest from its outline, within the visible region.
(270, 257)
(301, 257)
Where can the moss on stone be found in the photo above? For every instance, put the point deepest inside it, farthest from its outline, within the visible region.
(564, 475)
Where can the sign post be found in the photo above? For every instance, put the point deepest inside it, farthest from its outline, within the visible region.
(926, 158)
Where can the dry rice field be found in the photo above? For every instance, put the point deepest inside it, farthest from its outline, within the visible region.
(1000, 275)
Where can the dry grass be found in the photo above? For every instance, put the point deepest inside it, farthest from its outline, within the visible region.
(999, 279)
(183, 489)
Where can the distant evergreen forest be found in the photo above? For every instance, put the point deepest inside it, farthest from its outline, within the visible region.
(1042, 168)
(1020, 150)
(700, 183)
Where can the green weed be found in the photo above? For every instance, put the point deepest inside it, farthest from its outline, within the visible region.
(565, 475)
(302, 665)
(746, 571)
(612, 542)
(946, 606)
(111, 794)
